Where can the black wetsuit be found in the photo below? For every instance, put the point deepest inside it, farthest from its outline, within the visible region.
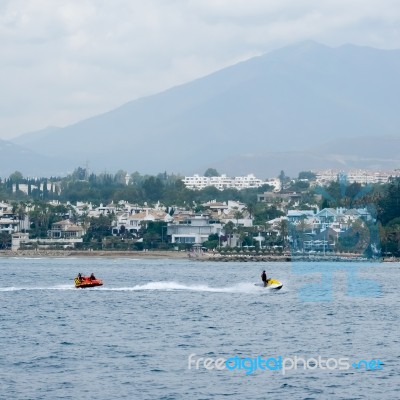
(264, 278)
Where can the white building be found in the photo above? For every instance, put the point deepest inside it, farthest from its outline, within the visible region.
(133, 222)
(10, 222)
(196, 182)
(65, 229)
(364, 177)
(24, 187)
(222, 182)
(193, 229)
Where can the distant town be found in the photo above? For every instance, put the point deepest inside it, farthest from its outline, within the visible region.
(317, 213)
(321, 178)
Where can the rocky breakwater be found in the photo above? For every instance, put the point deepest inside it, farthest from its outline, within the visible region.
(240, 257)
(257, 257)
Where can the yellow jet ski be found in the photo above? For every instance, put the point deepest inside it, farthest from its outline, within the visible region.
(272, 284)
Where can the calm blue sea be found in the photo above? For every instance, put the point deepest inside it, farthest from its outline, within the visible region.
(131, 338)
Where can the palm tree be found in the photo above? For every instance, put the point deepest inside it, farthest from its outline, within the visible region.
(251, 207)
(14, 207)
(238, 215)
(229, 229)
(85, 216)
(73, 215)
(242, 233)
(384, 237)
(21, 212)
(39, 216)
(283, 229)
(301, 227)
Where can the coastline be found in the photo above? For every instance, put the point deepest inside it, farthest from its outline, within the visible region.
(109, 254)
(162, 254)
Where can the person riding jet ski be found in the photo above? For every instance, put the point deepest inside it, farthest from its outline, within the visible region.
(264, 278)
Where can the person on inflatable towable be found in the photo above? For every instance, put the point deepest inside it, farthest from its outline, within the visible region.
(87, 281)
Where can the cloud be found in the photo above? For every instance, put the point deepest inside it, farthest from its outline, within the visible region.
(64, 61)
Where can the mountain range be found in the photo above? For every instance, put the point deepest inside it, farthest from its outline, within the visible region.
(305, 106)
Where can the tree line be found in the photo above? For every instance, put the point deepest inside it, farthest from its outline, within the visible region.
(382, 201)
(105, 188)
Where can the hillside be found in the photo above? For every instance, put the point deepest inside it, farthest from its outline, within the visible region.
(297, 99)
(18, 158)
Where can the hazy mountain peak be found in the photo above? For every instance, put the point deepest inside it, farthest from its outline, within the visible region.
(31, 137)
(290, 100)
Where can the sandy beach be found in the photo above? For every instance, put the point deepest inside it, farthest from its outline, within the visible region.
(162, 254)
(112, 254)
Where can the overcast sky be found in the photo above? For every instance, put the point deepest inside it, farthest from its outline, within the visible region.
(64, 60)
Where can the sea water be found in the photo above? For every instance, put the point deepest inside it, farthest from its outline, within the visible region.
(143, 334)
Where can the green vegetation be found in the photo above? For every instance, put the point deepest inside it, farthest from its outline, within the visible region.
(383, 202)
(389, 218)
(106, 188)
(307, 175)
(5, 240)
(211, 172)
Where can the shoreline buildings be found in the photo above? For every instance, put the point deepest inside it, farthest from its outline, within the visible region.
(197, 182)
(364, 177)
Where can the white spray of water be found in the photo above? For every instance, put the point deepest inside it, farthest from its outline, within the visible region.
(242, 287)
(16, 289)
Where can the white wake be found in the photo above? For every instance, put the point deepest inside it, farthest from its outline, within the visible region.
(243, 287)
(18, 288)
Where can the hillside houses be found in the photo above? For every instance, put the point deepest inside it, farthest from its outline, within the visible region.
(365, 177)
(230, 224)
(280, 200)
(193, 229)
(132, 223)
(12, 220)
(323, 230)
(66, 230)
(231, 211)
